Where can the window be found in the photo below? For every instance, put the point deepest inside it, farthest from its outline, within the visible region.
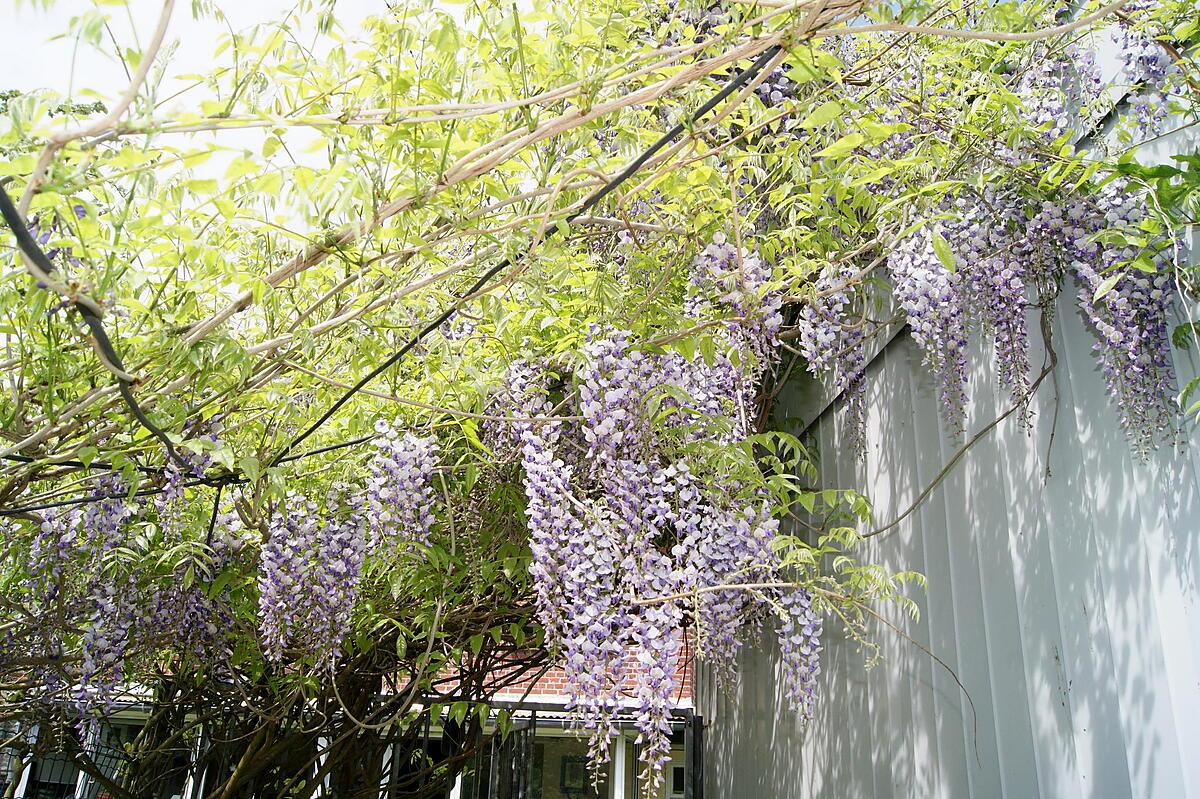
(535, 771)
(53, 777)
(573, 779)
(678, 781)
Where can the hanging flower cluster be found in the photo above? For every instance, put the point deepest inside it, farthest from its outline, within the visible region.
(726, 546)
(1151, 75)
(308, 581)
(342, 543)
(310, 566)
(312, 561)
(400, 493)
(930, 296)
(831, 339)
(1061, 93)
(991, 253)
(997, 254)
(106, 640)
(117, 611)
(1125, 293)
(1003, 250)
(287, 560)
(735, 282)
(79, 540)
(627, 537)
(800, 648)
(185, 618)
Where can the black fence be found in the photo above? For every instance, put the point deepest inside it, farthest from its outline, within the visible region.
(510, 767)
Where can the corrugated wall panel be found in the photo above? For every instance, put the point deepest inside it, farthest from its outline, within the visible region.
(1064, 592)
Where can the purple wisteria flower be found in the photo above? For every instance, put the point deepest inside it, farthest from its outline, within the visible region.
(283, 581)
(400, 492)
(1151, 74)
(800, 648)
(932, 301)
(831, 340)
(311, 565)
(617, 517)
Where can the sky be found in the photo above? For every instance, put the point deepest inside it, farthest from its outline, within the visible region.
(37, 55)
(32, 58)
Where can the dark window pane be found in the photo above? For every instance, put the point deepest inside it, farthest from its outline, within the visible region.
(677, 779)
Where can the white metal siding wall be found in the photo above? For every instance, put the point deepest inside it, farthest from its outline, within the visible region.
(1068, 606)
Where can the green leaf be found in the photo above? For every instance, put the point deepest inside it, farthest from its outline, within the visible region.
(202, 186)
(222, 581)
(824, 114)
(1107, 285)
(1143, 264)
(1192, 385)
(842, 146)
(1185, 334)
(941, 248)
(874, 176)
(249, 466)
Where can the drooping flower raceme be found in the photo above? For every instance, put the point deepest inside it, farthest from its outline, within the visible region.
(800, 649)
(1060, 93)
(400, 492)
(723, 546)
(932, 301)
(284, 588)
(1148, 68)
(309, 576)
(185, 619)
(1010, 253)
(739, 283)
(1131, 321)
(342, 544)
(312, 561)
(106, 639)
(620, 525)
(832, 340)
(996, 255)
(75, 583)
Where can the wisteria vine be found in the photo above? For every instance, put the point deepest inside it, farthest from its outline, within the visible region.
(637, 542)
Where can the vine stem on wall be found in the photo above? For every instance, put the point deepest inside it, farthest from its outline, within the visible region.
(1047, 370)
